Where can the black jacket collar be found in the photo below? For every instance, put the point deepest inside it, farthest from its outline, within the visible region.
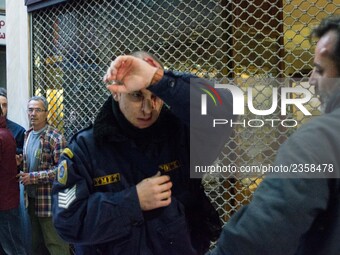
(111, 125)
(105, 126)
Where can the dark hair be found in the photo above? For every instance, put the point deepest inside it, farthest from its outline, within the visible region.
(1, 112)
(331, 23)
(3, 92)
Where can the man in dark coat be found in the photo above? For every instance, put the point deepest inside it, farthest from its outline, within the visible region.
(17, 130)
(299, 216)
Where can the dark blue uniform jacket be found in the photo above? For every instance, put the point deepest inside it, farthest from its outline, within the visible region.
(95, 203)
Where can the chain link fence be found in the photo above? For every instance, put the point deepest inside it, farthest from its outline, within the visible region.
(73, 44)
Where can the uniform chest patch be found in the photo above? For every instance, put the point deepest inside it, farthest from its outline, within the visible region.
(107, 179)
(62, 172)
(167, 167)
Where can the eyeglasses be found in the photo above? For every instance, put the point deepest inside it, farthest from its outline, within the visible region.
(38, 110)
(138, 96)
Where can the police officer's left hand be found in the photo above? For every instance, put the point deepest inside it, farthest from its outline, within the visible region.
(154, 192)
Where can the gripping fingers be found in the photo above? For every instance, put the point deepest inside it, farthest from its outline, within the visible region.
(165, 195)
(165, 202)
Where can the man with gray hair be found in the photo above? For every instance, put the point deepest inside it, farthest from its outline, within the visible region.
(42, 148)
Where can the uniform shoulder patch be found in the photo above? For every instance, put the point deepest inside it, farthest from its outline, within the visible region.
(68, 153)
(66, 197)
(62, 172)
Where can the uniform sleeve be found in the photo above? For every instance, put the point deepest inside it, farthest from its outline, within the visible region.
(85, 217)
(182, 93)
(282, 209)
(174, 90)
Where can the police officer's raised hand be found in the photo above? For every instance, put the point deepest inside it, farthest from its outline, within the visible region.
(154, 192)
(128, 73)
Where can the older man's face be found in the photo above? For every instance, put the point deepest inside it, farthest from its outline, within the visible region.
(37, 114)
(325, 75)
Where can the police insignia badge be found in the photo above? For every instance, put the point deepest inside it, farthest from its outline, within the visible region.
(167, 167)
(62, 172)
(107, 179)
